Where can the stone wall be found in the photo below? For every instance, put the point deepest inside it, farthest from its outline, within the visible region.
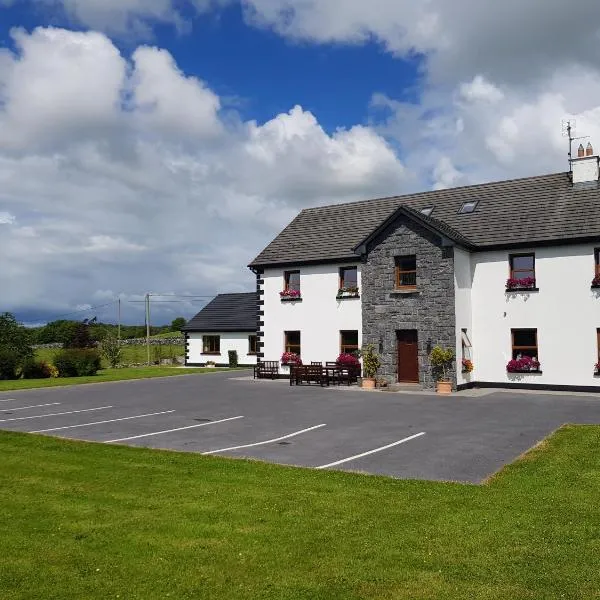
(430, 310)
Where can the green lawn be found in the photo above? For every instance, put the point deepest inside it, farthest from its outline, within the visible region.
(130, 354)
(102, 376)
(89, 521)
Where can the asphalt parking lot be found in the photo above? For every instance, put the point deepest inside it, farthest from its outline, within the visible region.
(464, 437)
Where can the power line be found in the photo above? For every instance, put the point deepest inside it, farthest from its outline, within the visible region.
(75, 312)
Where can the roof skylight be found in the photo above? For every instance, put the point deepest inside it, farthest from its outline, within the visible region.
(427, 211)
(468, 207)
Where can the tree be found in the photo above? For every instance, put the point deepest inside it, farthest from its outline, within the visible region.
(79, 337)
(110, 349)
(56, 332)
(178, 324)
(14, 337)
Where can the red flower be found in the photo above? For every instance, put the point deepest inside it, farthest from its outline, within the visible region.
(517, 284)
(290, 358)
(347, 360)
(523, 365)
(290, 294)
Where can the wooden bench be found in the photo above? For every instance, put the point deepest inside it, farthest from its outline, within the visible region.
(307, 374)
(268, 369)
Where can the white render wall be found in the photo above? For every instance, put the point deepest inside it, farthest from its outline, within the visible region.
(566, 313)
(229, 341)
(319, 317)
(463, 278)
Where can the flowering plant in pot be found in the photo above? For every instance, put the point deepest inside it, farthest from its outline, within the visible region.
(526, 283)
(524, 364)
(467, 365)
(347, 360)
(441, 360)
(291, 359)
(371, 364)
(348, 292)
(291, 294)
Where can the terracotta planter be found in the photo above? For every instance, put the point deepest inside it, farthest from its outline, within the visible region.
(444, 387)
(368, 383)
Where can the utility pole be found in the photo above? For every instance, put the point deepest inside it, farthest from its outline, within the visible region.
(148, 328)
(119, 318)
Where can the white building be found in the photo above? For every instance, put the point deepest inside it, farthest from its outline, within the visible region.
(498, 272)
(226, 323)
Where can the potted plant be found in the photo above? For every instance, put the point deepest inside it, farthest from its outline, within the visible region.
(211, 364)
(527, 283)
(523, 364)
(290, 295)
(441, 360)
(290, 359)
(467, 365)
(371, 364)
(348, 292)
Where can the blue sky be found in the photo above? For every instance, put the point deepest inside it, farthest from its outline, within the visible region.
(159, 145)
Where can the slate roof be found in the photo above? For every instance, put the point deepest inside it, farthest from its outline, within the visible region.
(227, 312)
(546, 209)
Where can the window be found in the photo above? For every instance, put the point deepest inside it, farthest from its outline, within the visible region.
(211, 344)
(292, 281)
(466, 345)
(348, 342)
(427, 211)
(348, 277)
(524, 343)
(252, 344)
(468, 207)
(406, 272)
(522, 266)
(292, 342)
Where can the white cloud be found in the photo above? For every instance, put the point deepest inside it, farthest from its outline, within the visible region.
(130, 179)
(6, 218)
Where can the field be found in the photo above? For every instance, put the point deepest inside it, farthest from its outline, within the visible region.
(103, 376)
(131, 354)
(90, 521)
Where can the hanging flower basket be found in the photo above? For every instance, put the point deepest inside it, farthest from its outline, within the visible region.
(527, 283)
(525, 364)
(467, 365)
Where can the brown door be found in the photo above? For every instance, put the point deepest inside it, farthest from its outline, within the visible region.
(408, 356)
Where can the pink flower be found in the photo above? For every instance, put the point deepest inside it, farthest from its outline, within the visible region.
(290, 294)
(517, 284)
(522, 365)
(347, 360)
(290, 358)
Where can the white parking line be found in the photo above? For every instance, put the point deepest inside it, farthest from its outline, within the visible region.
(9, 400)
(27, 407)
(72, 412)
(137, 437)
(345, 460)
(285, 437)
(166, 412)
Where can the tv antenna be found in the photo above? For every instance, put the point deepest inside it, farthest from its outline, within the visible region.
(568, 130)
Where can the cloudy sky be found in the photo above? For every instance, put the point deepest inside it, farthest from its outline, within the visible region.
(159, 145)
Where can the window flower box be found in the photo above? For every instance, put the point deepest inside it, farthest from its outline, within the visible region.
(525, 364)
(347, 360)
(290, 295)
(290, 359)
(348, 292)
(519, 285)
(467, 365)
(596, 282)
(597, 369)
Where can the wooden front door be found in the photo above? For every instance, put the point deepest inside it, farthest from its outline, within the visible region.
(408, 356)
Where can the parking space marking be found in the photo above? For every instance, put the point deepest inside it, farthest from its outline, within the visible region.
(9, 400)
(137, 437)
(285, 437)
(28, 407)
(345, 460)
(72, 412)
(166, 412)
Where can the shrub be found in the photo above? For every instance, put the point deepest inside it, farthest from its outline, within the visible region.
(9, 363)
(79, 337)
(111, 351)
(371, 361)
(441, 360)
(233, 358)
(37, 369)
(77, 362)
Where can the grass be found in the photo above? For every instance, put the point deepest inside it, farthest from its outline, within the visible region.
(102, 377)
(130, 354)
(88, 521)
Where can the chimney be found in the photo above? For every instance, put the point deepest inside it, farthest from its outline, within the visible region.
(586, 167)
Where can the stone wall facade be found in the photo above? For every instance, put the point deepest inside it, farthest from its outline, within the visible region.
(430, 309)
